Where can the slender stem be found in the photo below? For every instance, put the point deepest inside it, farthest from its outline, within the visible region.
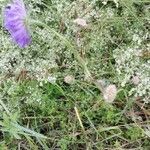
(74, 50)
(4, 106)
(78, 116)
(71, 46)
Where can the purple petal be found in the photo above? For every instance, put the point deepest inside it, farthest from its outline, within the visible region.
(13, 25)
(21, 37)
(14, 16)
(15, 8)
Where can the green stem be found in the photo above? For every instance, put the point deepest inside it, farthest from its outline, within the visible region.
(75, 52)
(73, 48)
(4, 106)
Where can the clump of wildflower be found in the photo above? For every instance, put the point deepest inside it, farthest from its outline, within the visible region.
(14, 21)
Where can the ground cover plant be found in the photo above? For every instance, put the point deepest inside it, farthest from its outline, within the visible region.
(81, 81)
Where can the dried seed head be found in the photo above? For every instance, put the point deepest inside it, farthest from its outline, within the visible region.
(110, 93)
(81, 22)
(135, 80)
(69, 79)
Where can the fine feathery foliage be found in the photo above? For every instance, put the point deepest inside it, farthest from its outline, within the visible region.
(82, 82)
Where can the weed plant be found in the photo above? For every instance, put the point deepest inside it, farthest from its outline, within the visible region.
(39, 110)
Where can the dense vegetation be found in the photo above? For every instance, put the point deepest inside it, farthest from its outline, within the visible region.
(50, 92)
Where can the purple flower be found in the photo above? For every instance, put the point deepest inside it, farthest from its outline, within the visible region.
(14, 22)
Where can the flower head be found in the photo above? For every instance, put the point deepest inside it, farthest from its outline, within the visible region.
(69, 79)
(110, 93)
(80, 22)
(135, 80)
(14, 22)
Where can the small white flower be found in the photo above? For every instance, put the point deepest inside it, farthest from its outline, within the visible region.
(116, 2)
(104, 2)
(81, 22)
(41, 84)
(69, 79)
(110, 93)
(52, 80)
(135, 80)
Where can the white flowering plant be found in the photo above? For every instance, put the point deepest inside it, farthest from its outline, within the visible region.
(78, 77)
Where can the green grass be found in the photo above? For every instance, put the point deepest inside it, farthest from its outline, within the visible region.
(39, 114)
